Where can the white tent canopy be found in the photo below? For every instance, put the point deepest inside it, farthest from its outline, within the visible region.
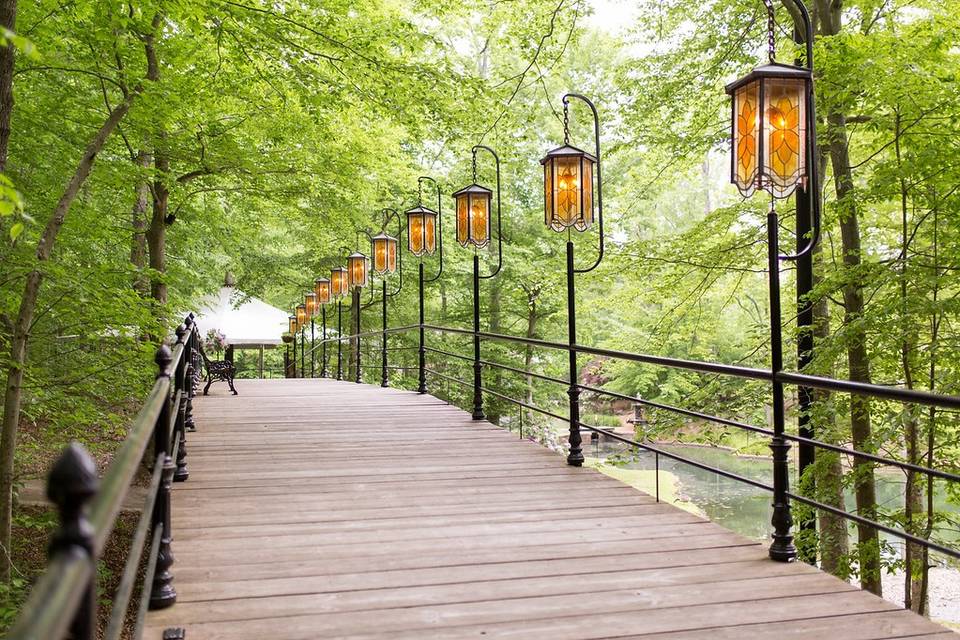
(244, 321)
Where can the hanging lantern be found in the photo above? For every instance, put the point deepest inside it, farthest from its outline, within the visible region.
(339, 282)
(473, 215)
(310, 302)
(421, 231)
(321, 288)
(292, 325)
(301, 315)
(384, 250)
(568, 188)
(357, 269)
(769, 129)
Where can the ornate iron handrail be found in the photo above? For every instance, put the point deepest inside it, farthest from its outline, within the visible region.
(63, 601)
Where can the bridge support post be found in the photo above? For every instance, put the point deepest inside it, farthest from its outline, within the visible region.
(782, 548)
(422, 352)
(477, 372)
(575, 457)
(162, 593)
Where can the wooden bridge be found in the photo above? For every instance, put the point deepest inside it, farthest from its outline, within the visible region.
(325, 509)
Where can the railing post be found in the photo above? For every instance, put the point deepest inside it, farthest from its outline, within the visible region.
(575, 457)
(191, 354)
(180, 397)
(323, 344)
(71, 484)
(782, 548)
(384, 380)
(162, 593)
(477, 371)
(313, 350)
(422, 352)
(355, 301)
(303, 352)
(339, 340)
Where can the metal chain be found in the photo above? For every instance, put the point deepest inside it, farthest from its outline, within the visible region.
(566, 123)
(474, 165)
(419, 192)
(771, 30)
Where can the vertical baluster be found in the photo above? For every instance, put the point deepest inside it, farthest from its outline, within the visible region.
(180, 398)
(162, 593)
(71, 484)
(191, 354)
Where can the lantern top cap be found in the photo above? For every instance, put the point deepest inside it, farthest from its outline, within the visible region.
(473, 188)
(565, 151)
(311, 295)
(321, 280)
(355, 254)
(771, 70)
(301, 306)
(338, 269)
(420, 209)
(383, 236)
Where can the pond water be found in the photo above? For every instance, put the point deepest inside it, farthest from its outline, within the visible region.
(746, 510)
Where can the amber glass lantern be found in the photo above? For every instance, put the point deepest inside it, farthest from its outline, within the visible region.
(384, 250)
(310, 302)
(769, 129)
(339, 282)
(568, 188)
(321, 288)
(301, 315)
(357, 270)
(292, 325)
(421, 231)
(473, 215)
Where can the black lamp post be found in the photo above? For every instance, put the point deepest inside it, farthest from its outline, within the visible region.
(424, 235)
(773, 127)
(310, 302)
(358, 276)
(568, 190)
(321, 289)
(473, 204)
(387, 259)
(339, 286)
(302, 323)
(287, 361)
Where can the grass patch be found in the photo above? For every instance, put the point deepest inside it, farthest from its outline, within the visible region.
(645, 480)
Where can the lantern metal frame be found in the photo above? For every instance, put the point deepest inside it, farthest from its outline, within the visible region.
(388, 240)
(549, 162)
(471, 192)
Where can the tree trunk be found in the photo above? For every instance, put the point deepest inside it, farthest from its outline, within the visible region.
(858, 359)
(22, 326)
(157, 230)
(8, 19)
(138, 244)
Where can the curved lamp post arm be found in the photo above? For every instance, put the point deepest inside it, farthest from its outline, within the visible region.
(813, 186)
(393, 213)
(439, 225)
(596, 136)
(496, 159)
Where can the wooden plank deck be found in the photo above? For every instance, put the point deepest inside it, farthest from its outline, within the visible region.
(324, 509)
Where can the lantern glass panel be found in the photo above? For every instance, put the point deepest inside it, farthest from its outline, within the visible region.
(292, 326)
(479, 219)
(310, 302)
(784, 116)
(429, 233)
(746, 134)
(322, 289)
(463, 220)
(357, 267)
(586, 196)
(301, 315)
(416, 233)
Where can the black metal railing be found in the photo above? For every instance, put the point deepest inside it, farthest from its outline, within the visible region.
(63, 601)
(779, 485)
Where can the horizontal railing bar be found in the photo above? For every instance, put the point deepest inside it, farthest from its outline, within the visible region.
(703, 367)
(131, 569)
(490, 363)
(862, 388)
(499, 395)
(116, 481)
(923, 542)
(907, 466)
(449, 354)
(58, 591)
